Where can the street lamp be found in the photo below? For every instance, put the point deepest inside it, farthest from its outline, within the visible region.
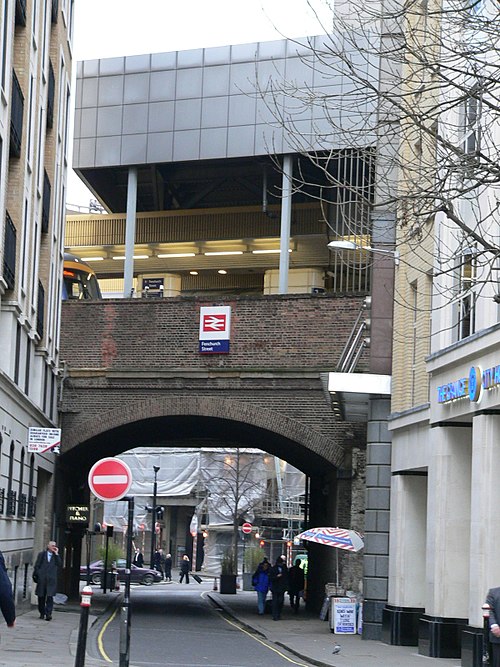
(153, 518)
(353, 246)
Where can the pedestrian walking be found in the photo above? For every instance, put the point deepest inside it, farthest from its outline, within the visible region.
(185, 567)
(260, 582)
(296, 585)
(6, 598)
(168, 567)
(45, 576)
(278, 576)
(138, 558)
(158, 560)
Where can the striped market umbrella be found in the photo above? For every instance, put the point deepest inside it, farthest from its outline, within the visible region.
(340, 538)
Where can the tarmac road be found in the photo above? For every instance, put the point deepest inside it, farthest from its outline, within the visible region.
(177, 625)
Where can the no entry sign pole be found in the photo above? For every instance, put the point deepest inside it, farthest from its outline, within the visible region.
(125, 619)
(111, 479)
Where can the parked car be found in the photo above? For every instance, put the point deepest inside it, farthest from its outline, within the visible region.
(138, 575)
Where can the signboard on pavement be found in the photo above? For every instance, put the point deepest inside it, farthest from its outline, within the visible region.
(42, 440)
(215, 329)
(110, 479)
(343, 617)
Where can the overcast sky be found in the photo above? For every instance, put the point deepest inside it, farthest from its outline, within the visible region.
(108, 28)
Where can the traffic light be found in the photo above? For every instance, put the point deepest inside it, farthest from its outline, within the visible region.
(261, 544)
(159, 513)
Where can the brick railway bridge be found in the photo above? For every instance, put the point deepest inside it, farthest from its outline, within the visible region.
(134, 377)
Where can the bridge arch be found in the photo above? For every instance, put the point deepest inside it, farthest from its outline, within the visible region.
(172, 421)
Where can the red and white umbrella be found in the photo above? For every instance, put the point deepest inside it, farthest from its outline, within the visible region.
(340, 538)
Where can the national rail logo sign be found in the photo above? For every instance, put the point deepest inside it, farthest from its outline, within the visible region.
(215, 329)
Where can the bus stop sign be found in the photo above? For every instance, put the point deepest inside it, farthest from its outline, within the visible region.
(110, 479)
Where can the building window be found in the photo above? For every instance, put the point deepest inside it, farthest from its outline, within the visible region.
(466, 297)
(17, 356)
(40, 310)
(16, 117)
(47, 189)
(5, 32)
(11, 495)
(20, 12)
(471, 122)
(51, 91)
(9, 253)
(31, 488)
(27, 368)
(21, 506)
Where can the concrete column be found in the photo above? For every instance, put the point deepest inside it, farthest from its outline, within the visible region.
(376, 551)
(485, 519)
(128, 272)
(286, 217)
(408, 540)
(449, 507)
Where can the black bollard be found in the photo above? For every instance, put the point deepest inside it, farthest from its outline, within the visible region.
(81, 646)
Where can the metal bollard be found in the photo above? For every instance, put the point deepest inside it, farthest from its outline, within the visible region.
(81, 646)
(486, 633)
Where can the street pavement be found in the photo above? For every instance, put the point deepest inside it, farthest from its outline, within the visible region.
(36, 642)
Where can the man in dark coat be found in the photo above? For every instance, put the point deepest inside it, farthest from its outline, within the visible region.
(6, 599)
(45, 576)
(278, 583)
(295, 585)
(493, 599)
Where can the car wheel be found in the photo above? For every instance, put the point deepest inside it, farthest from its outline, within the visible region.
(147, 579)
(96, 578)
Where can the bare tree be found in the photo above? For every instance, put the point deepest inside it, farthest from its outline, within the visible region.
(418, 112)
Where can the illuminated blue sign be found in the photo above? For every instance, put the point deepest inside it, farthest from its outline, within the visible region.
(470, 387)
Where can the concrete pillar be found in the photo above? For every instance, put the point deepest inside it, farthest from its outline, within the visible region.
(485, 519)
(128, 272)
(376, 551)
(448, 542)
(286, 217)
(449, 507)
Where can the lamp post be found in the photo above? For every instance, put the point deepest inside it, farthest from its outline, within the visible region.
(153, 518)
(353, 246)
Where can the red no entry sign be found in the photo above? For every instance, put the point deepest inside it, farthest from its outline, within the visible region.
(246, 528)
(110, 479)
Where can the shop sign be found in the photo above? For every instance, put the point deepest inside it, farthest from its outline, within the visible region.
(77, 514)
(470, 387)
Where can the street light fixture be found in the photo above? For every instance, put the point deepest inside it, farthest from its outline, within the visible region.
(353, 246)
(153, 518)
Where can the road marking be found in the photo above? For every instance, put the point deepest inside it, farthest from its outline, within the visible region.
(101, 635)
(271, 648)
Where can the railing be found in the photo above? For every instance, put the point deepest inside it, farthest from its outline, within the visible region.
(286, 508)
(40, 310)
(22, 505)
(16, 117)
(2, 501)
(47, 189)
(31, 507)
(9, 256)
(11, 503)
(51, 91)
